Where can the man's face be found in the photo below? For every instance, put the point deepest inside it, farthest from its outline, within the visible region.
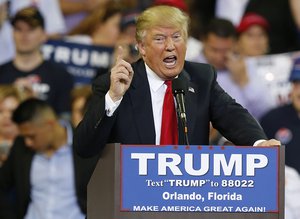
(295, 95)
(28, 39)
(38, 135)
(163, 49)
(216, 50)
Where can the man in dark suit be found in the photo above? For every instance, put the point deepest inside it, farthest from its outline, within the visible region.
(43, 177)
(127, 103)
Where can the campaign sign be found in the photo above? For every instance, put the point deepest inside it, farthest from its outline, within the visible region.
(199, 178)
(82, 61)
(274, 71)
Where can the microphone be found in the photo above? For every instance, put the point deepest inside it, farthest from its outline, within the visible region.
(179, 88)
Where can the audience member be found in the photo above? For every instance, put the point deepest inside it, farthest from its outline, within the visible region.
(219, 51)
(47, 178)
(9, 100)
(75, 11)
(54, 21)
(205, 10)
(28, 70)
(253, 39)
(283, 35)
(283, 30)
(101, 27)
(219, 41)
(79, 100)
(6, 36)
(287, 128)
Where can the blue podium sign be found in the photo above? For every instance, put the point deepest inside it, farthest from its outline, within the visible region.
(199, 178)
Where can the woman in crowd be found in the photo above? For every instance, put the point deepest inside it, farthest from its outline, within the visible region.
(9, 100)
(253, 39)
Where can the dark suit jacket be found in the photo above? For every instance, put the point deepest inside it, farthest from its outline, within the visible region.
(15, 180)
(133, 123)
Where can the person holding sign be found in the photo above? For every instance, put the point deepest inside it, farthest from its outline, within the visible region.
(127, 105)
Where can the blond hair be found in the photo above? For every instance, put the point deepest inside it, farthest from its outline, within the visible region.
(9, 91)
(163, 16)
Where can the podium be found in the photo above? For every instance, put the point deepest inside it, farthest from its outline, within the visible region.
(104, 197)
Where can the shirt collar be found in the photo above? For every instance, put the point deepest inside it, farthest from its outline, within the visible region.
(155, 82)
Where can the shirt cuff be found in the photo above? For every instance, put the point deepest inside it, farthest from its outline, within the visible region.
(110, 105)
(258, 142)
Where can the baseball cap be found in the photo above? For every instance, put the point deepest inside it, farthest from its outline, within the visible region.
(295, 73)
(175, 3)
(250, 19)
(30, 15)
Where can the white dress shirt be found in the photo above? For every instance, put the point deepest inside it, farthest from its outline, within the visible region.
(157, 90)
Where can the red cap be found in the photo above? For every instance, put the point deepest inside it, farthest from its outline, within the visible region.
(250, 19)
(175, 3)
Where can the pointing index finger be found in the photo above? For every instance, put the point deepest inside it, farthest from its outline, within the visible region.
(120, 59)
(120, 54)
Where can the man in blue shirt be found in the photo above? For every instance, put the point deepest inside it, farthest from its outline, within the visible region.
(48, 179)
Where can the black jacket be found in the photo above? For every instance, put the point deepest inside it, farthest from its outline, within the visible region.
(133, 122)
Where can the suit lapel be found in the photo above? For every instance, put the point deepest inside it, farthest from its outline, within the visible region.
(140, 98)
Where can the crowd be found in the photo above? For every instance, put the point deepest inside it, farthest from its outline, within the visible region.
(40, 103)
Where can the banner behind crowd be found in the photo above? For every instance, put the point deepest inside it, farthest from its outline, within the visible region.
(82, 61)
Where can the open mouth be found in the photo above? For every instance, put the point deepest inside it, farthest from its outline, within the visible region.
(170, 61)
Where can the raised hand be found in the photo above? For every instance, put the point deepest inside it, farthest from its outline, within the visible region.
(121, 76)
